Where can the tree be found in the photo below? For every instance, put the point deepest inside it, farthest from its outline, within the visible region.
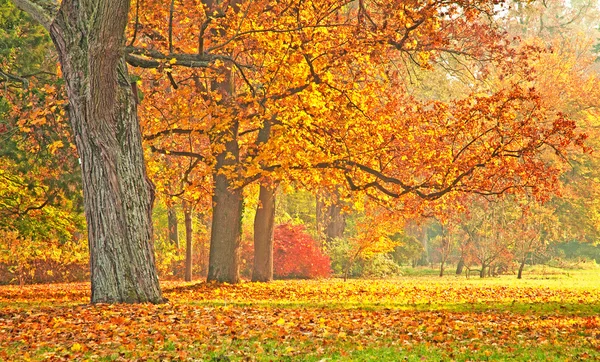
(329, 82)
(533, 231)
(264, 223)
(118, 196)
(41, 211)
(187, 212)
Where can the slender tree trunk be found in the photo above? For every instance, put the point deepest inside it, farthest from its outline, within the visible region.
(187, 212)
(173, 235)
(425, 244)
(173, 226)
(482, 271)
(319, 219)
(118, 196)
(203, 245)
(521, 267)
(264, 223)
(226, 230)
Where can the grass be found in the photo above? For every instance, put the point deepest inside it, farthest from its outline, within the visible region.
(552, 314)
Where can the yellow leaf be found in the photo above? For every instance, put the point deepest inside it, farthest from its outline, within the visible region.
(280, 322)
(76, 347)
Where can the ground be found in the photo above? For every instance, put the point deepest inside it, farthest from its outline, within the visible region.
(550, 315)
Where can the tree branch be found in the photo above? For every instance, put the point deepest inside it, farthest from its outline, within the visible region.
(43, 11)
(170, 132)
(178, 153)
(148, 58)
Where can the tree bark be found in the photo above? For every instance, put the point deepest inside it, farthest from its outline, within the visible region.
(187, 212)
(118, 196)
(264, 223)
(226, 230)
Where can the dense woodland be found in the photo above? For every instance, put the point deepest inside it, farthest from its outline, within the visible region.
(229, 140)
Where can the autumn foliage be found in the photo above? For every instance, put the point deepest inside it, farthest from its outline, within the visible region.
(457, 319)
(297, 255)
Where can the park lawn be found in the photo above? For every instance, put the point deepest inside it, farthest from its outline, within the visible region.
(551, 315)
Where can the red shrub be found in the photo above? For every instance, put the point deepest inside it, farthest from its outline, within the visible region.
(297, 255)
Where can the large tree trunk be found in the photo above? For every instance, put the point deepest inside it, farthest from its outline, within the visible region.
(118, 196)
(226, 230)
(187, 212)
(264, 223)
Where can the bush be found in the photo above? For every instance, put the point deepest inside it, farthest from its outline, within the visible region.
(297, 255)
(36, 260)
(376, 266)
(380, 266)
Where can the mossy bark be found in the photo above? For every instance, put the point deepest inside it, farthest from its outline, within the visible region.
(118, 196)
(226, 229)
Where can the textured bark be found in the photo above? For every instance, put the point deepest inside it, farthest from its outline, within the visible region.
(118, 196)
(226, 230)
(187, 212)
(264, 224)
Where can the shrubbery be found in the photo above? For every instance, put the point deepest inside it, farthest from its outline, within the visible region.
(379, 265)
(295, 254)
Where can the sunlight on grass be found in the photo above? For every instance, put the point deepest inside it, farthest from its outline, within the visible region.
(554, 315)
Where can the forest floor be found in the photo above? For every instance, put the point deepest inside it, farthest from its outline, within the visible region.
(550, 315)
